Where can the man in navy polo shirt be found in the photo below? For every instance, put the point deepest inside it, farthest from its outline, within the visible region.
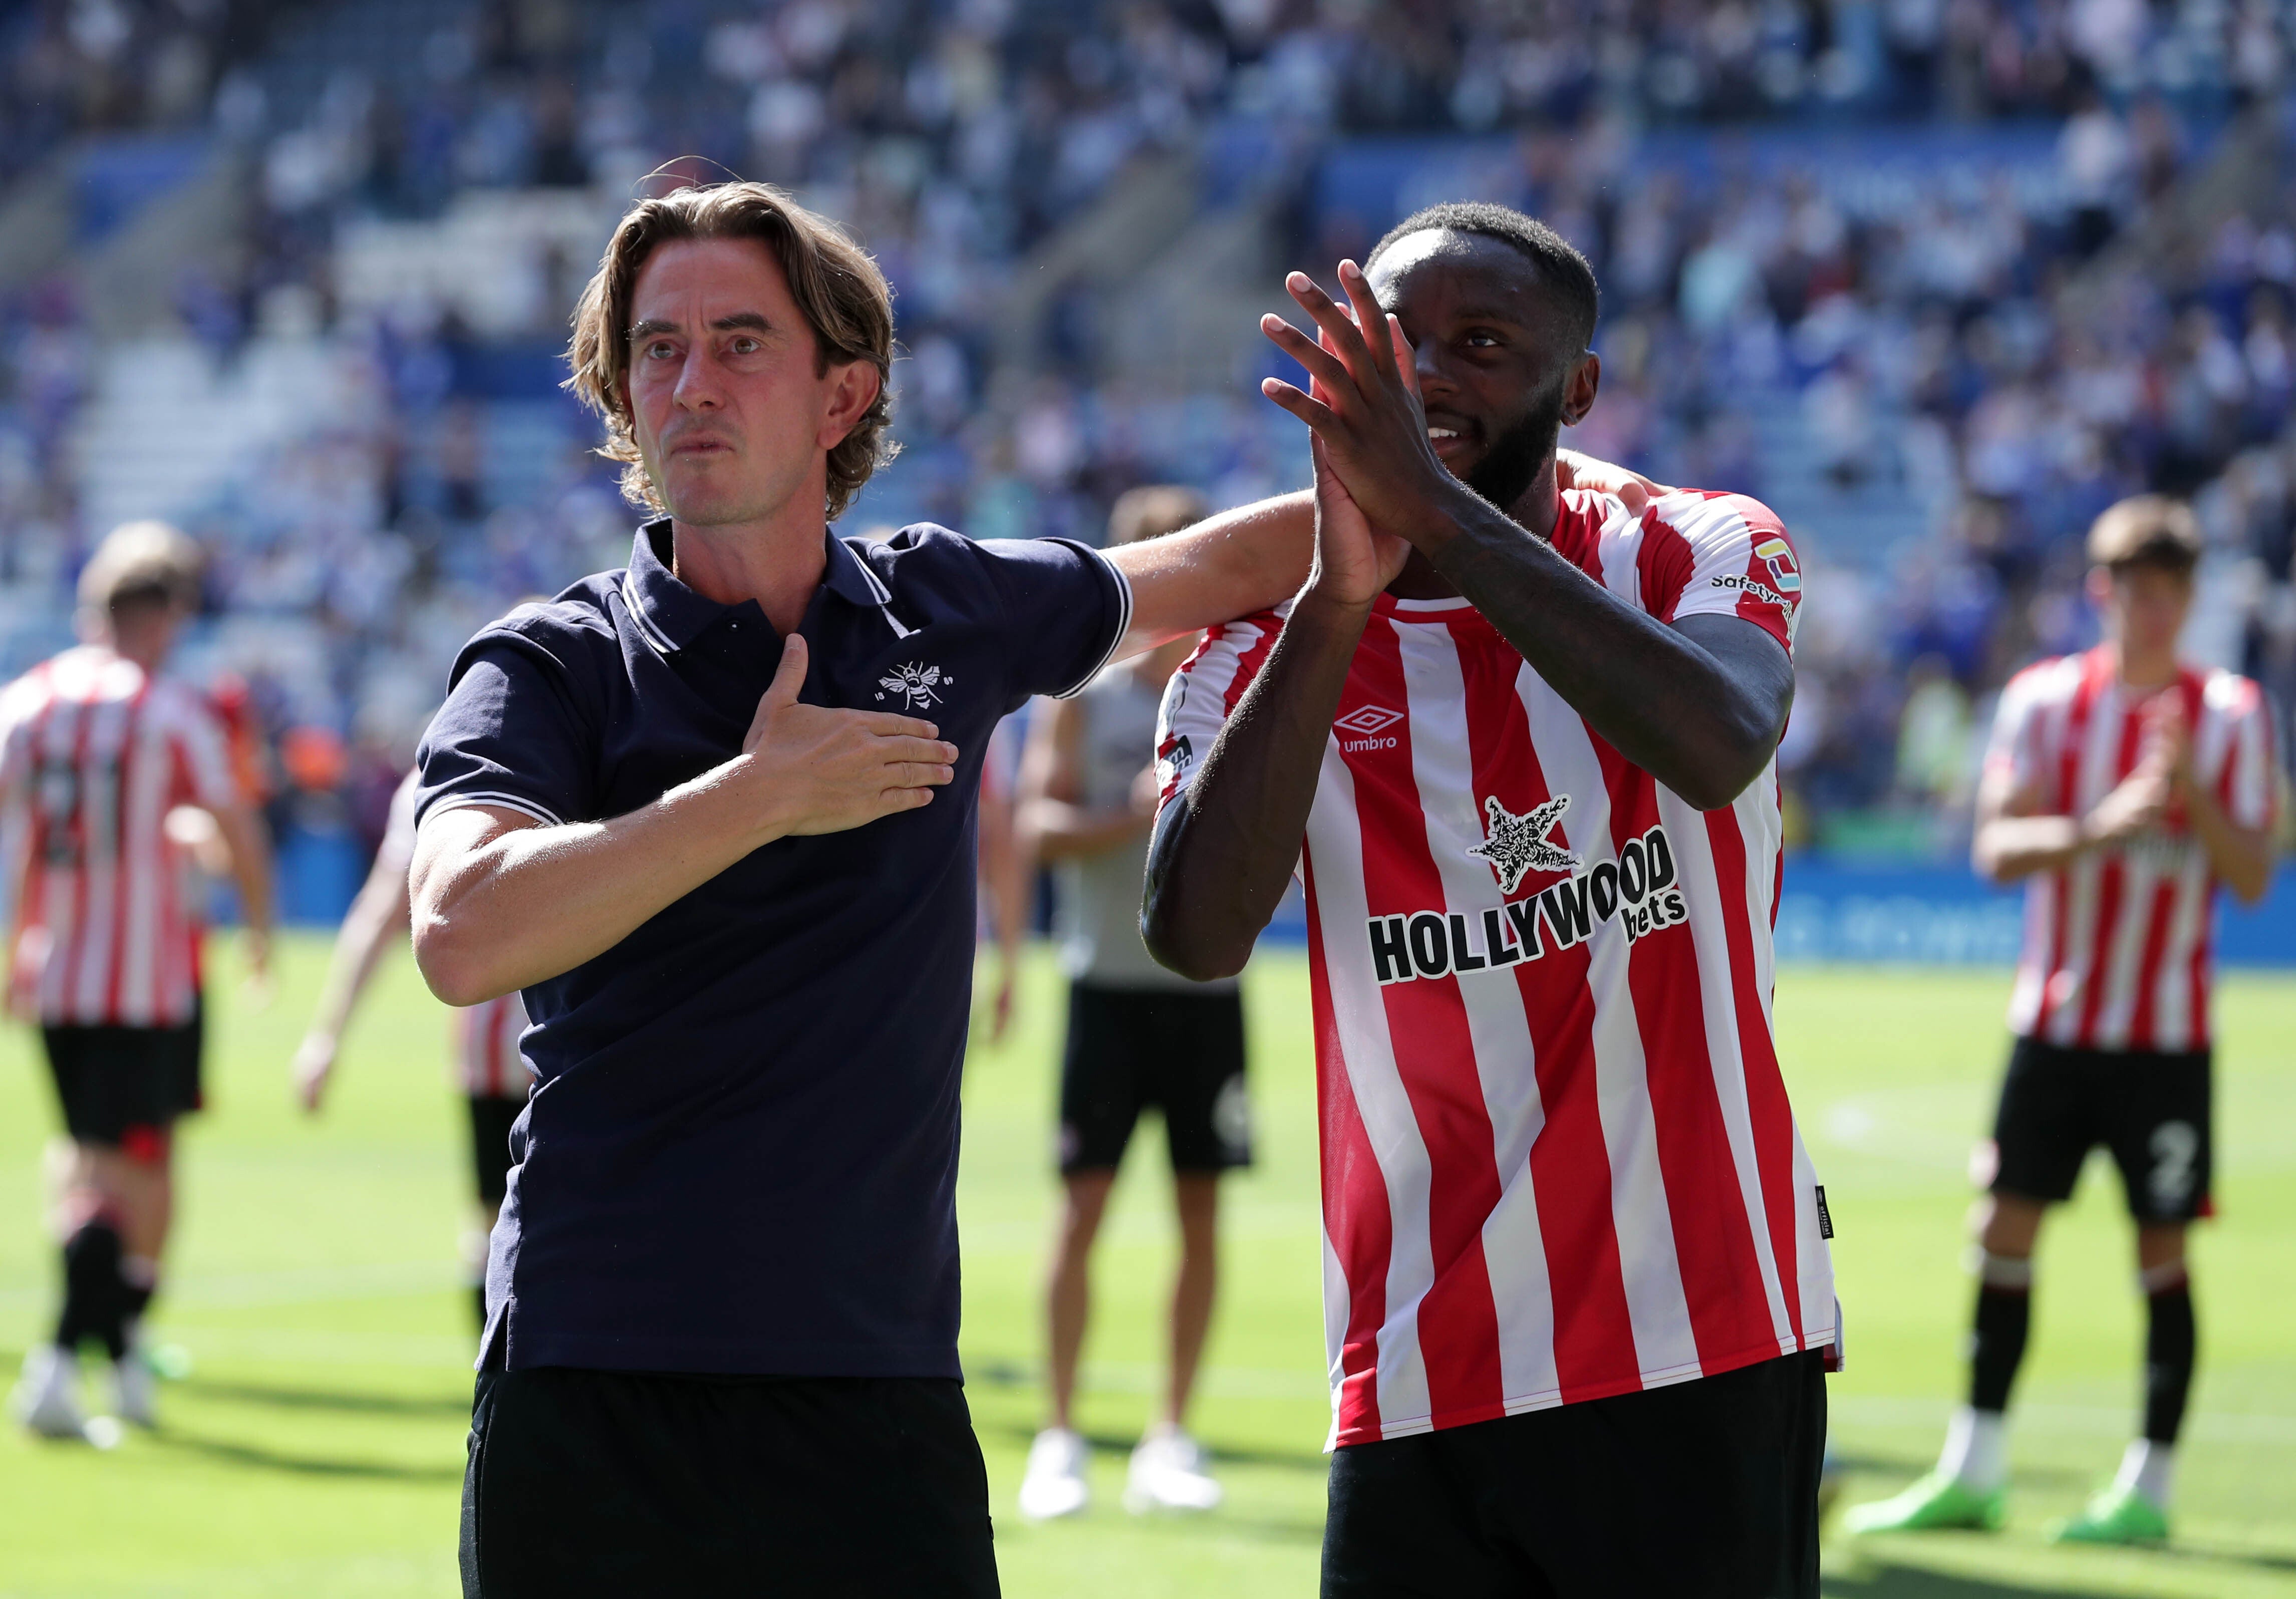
(714, 814)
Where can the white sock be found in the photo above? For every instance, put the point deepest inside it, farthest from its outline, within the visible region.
(1976, 1453)
(2148, 1468)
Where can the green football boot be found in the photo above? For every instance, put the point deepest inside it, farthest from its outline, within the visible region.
(1936, 1501)
(2117, 1515)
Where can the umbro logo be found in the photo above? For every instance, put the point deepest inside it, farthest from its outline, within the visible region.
(1369, 724)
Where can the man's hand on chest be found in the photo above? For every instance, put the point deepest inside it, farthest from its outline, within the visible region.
(815, 770)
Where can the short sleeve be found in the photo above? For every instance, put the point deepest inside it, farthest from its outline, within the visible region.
(19, 704)
(1066, 608)
(2245, 786)
(2012, 751)
(1204, 692)
(512, 733)
(204, 750)
(1721, 554)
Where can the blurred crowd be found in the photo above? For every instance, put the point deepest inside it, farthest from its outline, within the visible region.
(2006, 358)
(2004, 354)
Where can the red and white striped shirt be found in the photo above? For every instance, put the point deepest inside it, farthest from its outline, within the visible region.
(487, 1058)
(1558, 1160)
(93, 754)
(2117, 944)
(487, 1064)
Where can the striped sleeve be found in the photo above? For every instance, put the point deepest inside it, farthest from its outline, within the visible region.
(1205, 692)
(2246, 784)
(2014, 750)
(20, 706)
(1719, 555)
(204, 752)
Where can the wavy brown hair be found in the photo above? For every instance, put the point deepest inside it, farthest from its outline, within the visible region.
(837, 287)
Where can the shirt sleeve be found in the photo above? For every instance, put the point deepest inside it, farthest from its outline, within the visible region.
(512, 733)
(1720, 554)
(2012, 751)
(1204, 692)
(205, 752)
(18, 702)
(1066, 607)
(2245, 787)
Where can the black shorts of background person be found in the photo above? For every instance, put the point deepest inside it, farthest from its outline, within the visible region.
(1131, 1049)
(709, 1485)
(2150, 1109)
(124, 1087)
(1698, 1490)
(491, 1116)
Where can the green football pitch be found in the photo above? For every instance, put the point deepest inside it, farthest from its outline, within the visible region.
(315, 1448)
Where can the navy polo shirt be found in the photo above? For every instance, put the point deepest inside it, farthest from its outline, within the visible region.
(741, 1153)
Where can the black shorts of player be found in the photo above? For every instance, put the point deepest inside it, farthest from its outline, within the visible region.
(1130, 1048)
(2150, 1109)
(491, 1118)
(621, 1483)
(1705, 1490)
(120, 1084)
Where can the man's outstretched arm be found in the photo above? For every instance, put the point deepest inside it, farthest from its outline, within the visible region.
(1700, 704)
(1223, 567)
(1225, 845)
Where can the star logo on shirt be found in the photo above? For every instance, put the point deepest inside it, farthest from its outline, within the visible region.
(918, 684)
(1517, 845)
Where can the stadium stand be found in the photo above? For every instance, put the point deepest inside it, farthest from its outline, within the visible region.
(1938, 281)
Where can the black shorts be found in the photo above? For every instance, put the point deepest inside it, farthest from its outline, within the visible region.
(1702, 1491)
(120, 1083)
(2151, 1111)
(491, 1118)
(624, 1483)
(1130, 1048)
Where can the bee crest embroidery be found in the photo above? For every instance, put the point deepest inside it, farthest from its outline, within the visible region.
(917, 684)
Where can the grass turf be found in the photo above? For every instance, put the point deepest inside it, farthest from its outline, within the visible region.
(317, 1449)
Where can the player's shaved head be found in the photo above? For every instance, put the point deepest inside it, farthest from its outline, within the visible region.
(1498, 310)
(1558, 266)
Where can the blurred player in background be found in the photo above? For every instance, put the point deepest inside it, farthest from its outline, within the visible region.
(1137, 1036)
(97, 749)
(1518, 739)
(2123, 786)
(1006, 874)
(487, 1066)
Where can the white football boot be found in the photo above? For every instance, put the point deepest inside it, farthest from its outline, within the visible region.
(1168, 1472)
(1055, 1484)
(46, 1400)
(135, 1387)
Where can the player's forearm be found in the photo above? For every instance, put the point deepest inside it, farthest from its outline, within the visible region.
(1658, 696)
(527, 903)
(2240, 856)
(2008, 849)
(1224, 849)
(1005, 856)
(1226, 565)
(379, 911)
(251, 864)
(1059, 831)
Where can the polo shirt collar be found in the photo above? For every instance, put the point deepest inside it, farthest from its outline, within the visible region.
(672, 616)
